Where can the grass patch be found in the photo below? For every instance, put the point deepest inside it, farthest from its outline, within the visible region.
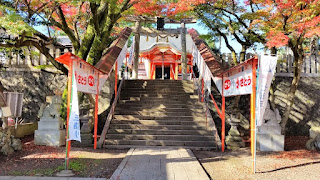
(79, 166)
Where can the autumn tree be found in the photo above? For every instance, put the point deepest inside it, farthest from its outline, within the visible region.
(291, 23)
(230, 18)
(88, 24)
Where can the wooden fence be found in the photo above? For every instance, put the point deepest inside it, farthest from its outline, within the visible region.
(285, 67)
(32, 58)
(310, 67)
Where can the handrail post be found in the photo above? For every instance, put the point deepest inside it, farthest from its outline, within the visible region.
(202, 90)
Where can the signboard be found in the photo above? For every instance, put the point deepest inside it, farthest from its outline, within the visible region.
(267, 69)
(238, 82)
(86, 77)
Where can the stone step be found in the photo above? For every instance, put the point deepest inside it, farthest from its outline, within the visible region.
(141, 117)
(159, 132)
(160, 137)
(176, 82)
(160, 98)
(160, 114)
(176, 147)
(160, 143)
(157, 109)
(159, 122)
(161, 105)
(164, 103)
(157, 90)
(158, 127)
(153, 87)
(154, 93)
(137, 95)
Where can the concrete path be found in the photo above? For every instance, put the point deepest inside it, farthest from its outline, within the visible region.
(159, 164)
(45, 178)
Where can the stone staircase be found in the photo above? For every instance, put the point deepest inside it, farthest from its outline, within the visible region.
(160, 113)
(142, 74)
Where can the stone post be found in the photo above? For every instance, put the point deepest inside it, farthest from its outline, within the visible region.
(184, 60)
(234, 140)
(269, 137)
(136, 49)
(52, 53)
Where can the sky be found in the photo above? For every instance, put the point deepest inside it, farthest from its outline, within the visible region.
(197, 26)
(202, 30)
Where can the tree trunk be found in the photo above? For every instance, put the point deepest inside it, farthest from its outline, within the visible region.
(234, 57)
(298, 60)
(272, 96)
(243, 54)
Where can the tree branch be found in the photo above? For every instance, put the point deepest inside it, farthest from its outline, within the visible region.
(67, 30)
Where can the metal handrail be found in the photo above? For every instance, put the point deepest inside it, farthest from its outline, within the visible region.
(109, 117)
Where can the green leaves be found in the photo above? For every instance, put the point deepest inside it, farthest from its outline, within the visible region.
(14, 23)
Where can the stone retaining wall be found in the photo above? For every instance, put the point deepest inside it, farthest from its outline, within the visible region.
(306, 111)
(37, 84)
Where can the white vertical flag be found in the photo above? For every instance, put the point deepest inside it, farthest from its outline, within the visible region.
(74, 123)
(266, 71)
(131, 53)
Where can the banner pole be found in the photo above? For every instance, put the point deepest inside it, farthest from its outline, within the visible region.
(255, 130)
(96, 115)
(252, 114)
(223, 118)
(68, 143)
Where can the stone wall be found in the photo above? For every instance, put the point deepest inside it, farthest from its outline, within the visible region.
(306, 111)
(35, 85)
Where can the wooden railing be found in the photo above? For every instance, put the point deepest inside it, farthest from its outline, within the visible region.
(110, 116)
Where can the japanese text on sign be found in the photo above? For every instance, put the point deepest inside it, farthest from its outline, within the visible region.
(86, 77)
(238, 84)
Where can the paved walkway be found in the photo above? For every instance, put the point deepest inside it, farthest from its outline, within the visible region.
(45, 178)
(159, 164)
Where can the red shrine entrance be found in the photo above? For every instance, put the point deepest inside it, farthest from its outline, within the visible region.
(164, 62)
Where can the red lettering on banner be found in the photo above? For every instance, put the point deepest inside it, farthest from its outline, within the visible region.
(249, 80)
(84, 80)
(79, 79)
(237, 83)
(241, 82)
(90, 81)
(227, 84)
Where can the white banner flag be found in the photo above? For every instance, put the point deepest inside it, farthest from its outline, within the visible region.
(266, 71)
(131, 53)
(74, 122)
